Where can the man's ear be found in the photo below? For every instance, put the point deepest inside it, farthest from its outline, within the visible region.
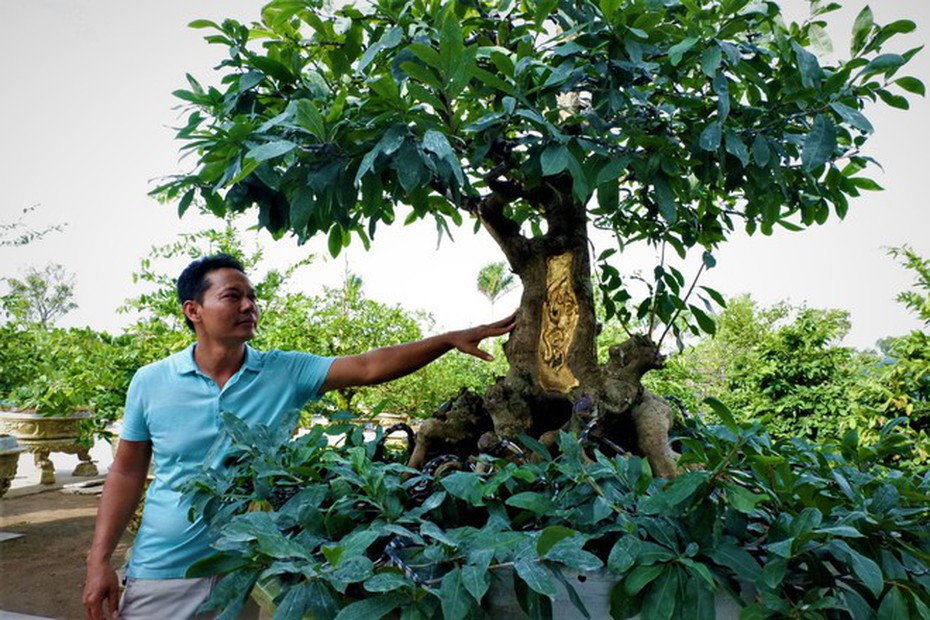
(191, 310)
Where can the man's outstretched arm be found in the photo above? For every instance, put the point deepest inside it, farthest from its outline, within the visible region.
(387, 363)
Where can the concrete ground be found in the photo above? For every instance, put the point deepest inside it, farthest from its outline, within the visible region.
(44, 533)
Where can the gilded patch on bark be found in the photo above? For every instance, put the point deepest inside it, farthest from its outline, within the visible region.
(559, 320)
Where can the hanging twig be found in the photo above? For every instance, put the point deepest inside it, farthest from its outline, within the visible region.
(655, 293)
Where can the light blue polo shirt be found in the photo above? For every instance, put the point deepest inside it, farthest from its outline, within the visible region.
(175, 406)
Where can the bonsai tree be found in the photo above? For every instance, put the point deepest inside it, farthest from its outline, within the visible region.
(674, 123)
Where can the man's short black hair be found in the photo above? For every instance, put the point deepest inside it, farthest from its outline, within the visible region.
(193, 281)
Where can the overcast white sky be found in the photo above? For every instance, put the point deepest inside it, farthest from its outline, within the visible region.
(86, 113)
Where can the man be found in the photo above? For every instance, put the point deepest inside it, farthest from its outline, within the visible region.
(172, 415)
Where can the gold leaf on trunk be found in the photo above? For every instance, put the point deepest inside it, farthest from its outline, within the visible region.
(559, 321)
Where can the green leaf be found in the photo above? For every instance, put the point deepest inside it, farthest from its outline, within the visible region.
(841, 530)
(864, 568)
(895, 101)
(662, 596)
(893, 606)
(678, 50)
(372, 608)
(710, 60)
(436, 142)
(884, 63)
(335, 240)
(819, 144)
(216, 564)
(623, 554)
(711, 137)
(550, 536)
(185, 202)
(203, 23)
(742, 498)
(430, 530)
(853, 117)
(613, 169)
(309, 117)
(668, 206)
(640, 577)
(321, 601)
(912, 85)
(427, 54)
(811, 73)
(538, 503)
(722, 89)
(774, 572)
(386, 582)
(536, 577)
(901, 26)
(761, 152)
(554, 159)
(295, 603)
(454, 596)
(820, 40)
(737, 148)
(570, 553)
(737, 559)
(388, 40)
(270, 150)
(723, 412)
(422, 74)
(861, 29)
(622, 605)
(866, 184)
(476, 580)
(463, 485)
(782, 548)
(715, 295)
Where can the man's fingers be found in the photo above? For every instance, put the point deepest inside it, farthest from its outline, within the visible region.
(113, 600)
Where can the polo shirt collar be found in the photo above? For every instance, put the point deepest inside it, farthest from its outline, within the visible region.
(185, 364)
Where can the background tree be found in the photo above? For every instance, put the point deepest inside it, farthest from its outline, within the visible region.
(667, 123)
(495, 281)
(899, 384)
(42, 296)
(18, 232)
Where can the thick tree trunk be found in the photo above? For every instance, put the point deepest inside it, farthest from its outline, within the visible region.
(554, 381)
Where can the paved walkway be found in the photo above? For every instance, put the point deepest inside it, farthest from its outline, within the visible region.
(27, 482)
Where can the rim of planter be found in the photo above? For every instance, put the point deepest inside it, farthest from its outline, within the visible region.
(34, 415)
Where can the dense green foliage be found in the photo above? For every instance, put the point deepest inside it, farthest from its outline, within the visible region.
(57, 371)
(784, 368)
(671, 122)
(787, 528)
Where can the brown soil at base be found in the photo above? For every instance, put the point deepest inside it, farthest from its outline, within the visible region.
(42, 572)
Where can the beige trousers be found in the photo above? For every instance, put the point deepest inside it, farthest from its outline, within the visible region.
(172, 599)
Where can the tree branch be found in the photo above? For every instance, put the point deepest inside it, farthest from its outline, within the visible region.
(504, 231)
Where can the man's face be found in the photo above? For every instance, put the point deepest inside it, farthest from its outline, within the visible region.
(228, 310)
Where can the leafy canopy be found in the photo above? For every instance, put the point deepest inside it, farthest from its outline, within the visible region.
(671, 121)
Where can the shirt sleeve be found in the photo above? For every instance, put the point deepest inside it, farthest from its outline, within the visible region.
(135, 427)
(308, 372)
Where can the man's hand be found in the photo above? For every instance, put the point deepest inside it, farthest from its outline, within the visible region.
(101, 591)
(467, 340)
(389, 363)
